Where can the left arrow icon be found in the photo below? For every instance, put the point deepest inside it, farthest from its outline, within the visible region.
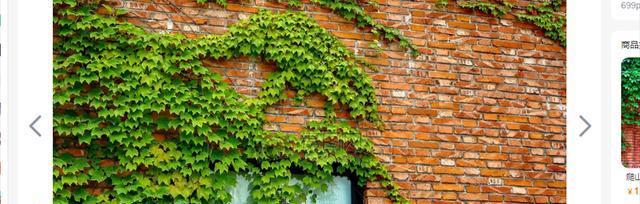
(33, 128)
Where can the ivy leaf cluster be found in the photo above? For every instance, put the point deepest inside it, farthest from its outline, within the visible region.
(138, 118)
(496, 9)
(542, 15)
(441, 4)
(352, 10)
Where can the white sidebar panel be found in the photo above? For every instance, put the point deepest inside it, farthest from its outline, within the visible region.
(28, 102)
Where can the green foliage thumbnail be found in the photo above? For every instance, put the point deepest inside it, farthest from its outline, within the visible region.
(630, 78)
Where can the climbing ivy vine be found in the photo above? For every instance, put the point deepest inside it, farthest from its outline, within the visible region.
(495, 9)
(138, 118)
(352, 10)
(542, 15)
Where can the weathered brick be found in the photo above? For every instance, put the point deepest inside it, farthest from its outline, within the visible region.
(348, 35)
(473, 196)
(448, 187)
(443, 75)
(486, 49)
(463, 25)
(241, 8)
(494, 172)
(448, 170)
(507, 44)
(445, 45)
(421, 144)
(422, 111)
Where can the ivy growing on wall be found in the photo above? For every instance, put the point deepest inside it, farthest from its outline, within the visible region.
(138, 118)
(352, 10)
(542, 15)
(495, 9)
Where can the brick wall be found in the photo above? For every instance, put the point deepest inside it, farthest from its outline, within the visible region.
(631, 155)
(485, 102)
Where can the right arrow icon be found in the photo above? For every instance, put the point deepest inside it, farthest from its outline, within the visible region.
(588, 126)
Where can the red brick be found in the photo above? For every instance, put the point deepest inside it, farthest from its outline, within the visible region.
(423, 160)
(421, 111)
(473, 196)
(236, 7)
(494, 172)
(290, 128)
(347, 35)
(507, 44)
(470, 163)
(398, 134)
(448, 170)
(486, 49)
(443, 75)
(444, 45)
(448, 187)
(513, 182)
(421, 144)
(455, 24)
